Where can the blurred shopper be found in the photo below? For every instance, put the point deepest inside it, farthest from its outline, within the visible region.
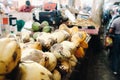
(107, 16)
(27, 7)
(115, 54)
(114, 16)
(5, 6)
(108, 27)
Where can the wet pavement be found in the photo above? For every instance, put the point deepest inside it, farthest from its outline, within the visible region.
(95, 65)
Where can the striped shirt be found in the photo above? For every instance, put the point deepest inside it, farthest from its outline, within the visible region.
(116, 25)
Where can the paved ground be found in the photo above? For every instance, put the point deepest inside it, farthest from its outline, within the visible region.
(95, 64)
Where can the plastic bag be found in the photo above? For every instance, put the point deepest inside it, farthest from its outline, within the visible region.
(108, 41)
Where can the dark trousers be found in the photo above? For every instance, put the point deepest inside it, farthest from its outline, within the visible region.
(115, 54)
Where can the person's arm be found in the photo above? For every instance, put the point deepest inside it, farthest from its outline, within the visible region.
(112, 27)
(21, 9)
(110, 22)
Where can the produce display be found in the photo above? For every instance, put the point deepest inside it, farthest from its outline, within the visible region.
(42, 55)
(84, 23)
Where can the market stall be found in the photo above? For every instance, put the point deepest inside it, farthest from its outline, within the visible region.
(58, 50)
(50, 50)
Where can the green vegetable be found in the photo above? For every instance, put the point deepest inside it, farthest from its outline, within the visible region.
(36, 26)
(46, 29)
(35, 35)
(44, 23)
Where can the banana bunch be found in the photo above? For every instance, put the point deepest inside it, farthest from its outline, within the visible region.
(25, 36)
(77, 36)
(49, 39)
(60, 35)
(60, 52)
(30, 70)
(50, 61)
(45, 40)
(56, 75)
(46, 59)
(64, 27)
(34, 45)
(10, 54)
(31, 54)
(63, 50)
(80, 39)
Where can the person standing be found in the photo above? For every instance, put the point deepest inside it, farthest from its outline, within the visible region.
(115, 56)
(114, 16)
(27, 7)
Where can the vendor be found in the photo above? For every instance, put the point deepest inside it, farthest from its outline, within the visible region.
(27, 7)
